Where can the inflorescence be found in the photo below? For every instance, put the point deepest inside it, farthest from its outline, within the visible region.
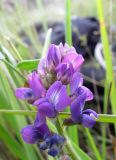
(47, 90)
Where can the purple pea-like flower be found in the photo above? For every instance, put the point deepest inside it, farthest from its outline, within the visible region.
(34, 91)
(65, 49)
(78, 115)
(80, 94)
(36, 132)
(60, 63)
(77, 88)
(89, 117)
(50, 61)
(71, 56)
(56, 100)
(75, 59)
(53, 57)
(32, 134)
(47, 66)
(65, 72)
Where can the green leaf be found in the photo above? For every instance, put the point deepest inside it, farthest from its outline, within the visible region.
(28, 64)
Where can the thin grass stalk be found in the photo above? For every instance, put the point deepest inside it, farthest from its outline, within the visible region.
(109, 72)
(68, 30)
(103, 118)
(107, 56)
(106, 102)
(93, 145)
(73, 132)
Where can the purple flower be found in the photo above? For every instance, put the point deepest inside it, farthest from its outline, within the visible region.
(53, 144)
(32, 134)
(80, 94)
(71, 56)
(53, 57)
(60, 63)
(65, 49)
(88, 119)
(34, 91)
(47, 91)
(49, 63)
(77, 88)
(65, 72)
(85, 117)
(56, 100)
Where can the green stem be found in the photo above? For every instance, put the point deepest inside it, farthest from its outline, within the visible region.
(105, 118)
(17, 112)
(68, 31)
(13, 48)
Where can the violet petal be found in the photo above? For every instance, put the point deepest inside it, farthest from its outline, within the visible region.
(30, 134)
(53, 55)
(64, 72)
(36, 85)
(90, 111)
(57, 95)
(88, 121)
(39, 120)
(47, 109)
(75, 59)
(24, 93)
(76, 82)
(77, 107)
(83, 89)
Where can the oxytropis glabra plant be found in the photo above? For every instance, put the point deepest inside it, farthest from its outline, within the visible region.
(48, 90)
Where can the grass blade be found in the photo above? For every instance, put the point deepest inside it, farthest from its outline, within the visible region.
(93, 145)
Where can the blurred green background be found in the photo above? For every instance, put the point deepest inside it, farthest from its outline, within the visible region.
(18, 20)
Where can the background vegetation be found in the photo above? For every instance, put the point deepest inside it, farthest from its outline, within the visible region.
(17, 26)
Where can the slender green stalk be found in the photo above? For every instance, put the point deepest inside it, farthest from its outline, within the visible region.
(17, 112)
(106, 102)
(13, 68)
(103, 142)
(92, 144)
(68, 31)
(107, 56)
(104, 37)
(13, 48)
(105, 118)
(109, 73)
(73, 131)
